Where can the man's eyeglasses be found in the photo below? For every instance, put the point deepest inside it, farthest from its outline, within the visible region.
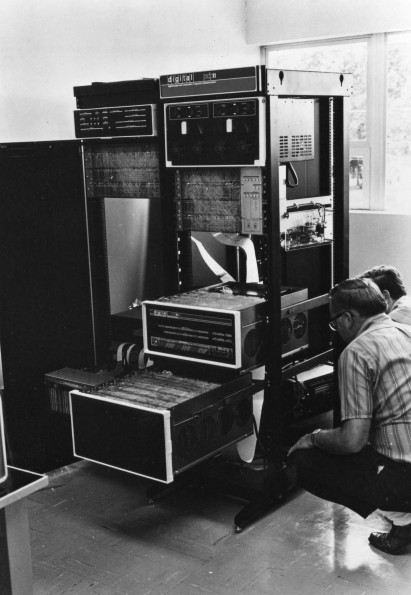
(332, 323)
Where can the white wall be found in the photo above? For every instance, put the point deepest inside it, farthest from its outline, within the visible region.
(280, 21)
(380, 238)
(49, 46)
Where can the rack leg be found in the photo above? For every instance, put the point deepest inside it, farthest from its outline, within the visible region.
(262, 504)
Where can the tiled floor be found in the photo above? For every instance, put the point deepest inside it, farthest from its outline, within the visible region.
(93, 531)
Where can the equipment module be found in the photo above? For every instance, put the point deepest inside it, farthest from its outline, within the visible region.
(213, 325)
(223, 325)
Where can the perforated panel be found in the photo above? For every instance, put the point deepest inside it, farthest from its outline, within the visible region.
(301, 146)
(208, 200)
(122, 171)
(296, 130)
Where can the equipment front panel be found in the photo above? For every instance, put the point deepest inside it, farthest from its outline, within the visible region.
(131, 120)
(218, 133)
(202, 335)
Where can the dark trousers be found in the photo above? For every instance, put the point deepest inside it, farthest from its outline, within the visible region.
(363, 481)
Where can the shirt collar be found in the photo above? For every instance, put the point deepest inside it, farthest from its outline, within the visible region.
(372, 320)
(404, 299)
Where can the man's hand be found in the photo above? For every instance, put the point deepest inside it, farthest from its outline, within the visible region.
(349, 438)
(303, 442)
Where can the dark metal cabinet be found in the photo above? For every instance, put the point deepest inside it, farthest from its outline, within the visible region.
(45, 304)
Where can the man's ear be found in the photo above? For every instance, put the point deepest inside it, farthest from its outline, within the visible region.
(388, 299)
(354, 319)
(350, 318)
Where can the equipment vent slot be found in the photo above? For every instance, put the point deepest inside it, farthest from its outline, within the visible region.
(283, 147)
(301, 146)
(207, 429)
(251, 343)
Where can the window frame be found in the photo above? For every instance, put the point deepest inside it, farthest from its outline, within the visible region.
(373, 148)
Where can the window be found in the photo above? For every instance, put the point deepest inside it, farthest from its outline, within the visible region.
(380, 124)
(398, 138)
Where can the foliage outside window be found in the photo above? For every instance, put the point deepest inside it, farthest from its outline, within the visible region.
(398, 143)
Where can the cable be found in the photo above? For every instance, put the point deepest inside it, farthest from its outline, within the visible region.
(320, 228)
(290, 170)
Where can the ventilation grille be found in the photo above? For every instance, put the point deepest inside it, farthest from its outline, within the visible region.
(296, 130)
(251, 343)
(300, 326)
(301, 146)
(283, 148)
(205, 432)
(298, 147)
(294, 333)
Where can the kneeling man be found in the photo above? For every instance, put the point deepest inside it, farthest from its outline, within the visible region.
(365, 464)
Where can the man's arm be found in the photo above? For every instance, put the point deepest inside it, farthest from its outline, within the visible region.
(349, 438)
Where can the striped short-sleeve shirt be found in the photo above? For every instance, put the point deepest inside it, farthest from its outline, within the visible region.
(375, 383)
(401, 310)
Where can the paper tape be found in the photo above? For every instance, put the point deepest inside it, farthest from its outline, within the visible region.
(246, 244)
(211, 263)
(245, 449)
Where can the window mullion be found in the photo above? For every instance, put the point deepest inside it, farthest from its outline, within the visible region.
(376, 120)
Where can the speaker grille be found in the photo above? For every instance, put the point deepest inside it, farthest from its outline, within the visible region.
(300, 325)
(251, 343)
(294, 333)
(286, 331)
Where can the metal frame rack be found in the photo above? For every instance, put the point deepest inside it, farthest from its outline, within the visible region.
(330, 92)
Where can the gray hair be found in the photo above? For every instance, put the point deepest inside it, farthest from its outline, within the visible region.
(362, 295)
